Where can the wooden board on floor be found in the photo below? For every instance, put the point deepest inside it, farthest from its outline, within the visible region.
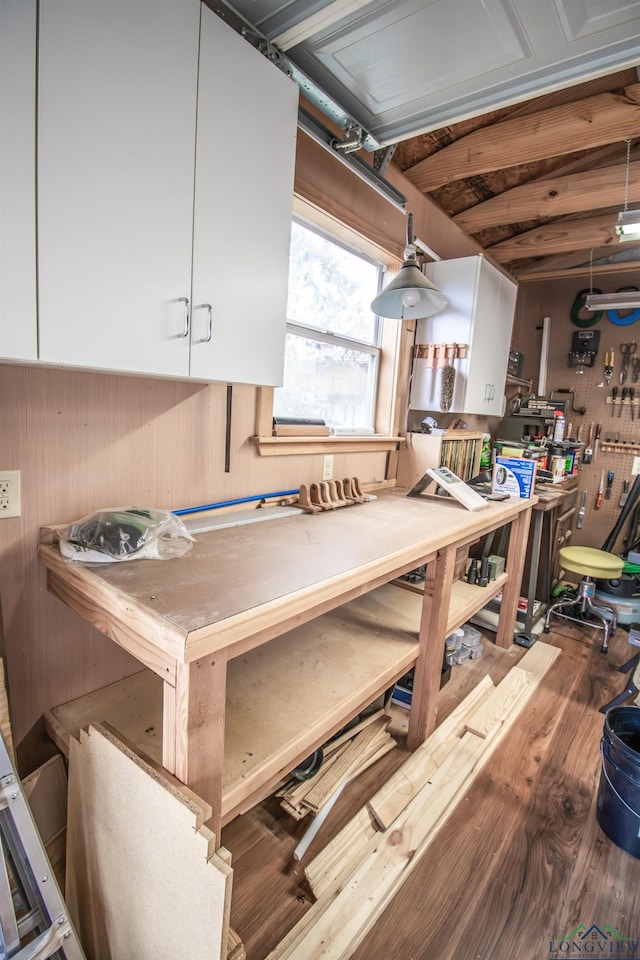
(343, 916)
(5, 722)
(143, 880)
(46, 793)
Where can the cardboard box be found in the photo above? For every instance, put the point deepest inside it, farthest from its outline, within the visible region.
(515, 476)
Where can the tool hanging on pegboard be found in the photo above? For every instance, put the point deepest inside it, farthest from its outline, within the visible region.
(447, 376)
(584, 349)
(609, 359)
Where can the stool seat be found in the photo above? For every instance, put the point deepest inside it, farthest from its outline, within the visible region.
(589, 562)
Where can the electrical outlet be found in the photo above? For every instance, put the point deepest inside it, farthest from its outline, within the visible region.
(9, 494)
(327, 467)
(635, 469)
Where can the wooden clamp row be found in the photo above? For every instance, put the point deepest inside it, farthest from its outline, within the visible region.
(330, 494)
(620, 446)
(439, 354)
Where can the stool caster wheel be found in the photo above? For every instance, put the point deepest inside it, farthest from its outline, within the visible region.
(547, 629)
(524, 639)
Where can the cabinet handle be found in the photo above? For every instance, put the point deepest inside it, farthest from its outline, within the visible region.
(187, 318)
(205, 306)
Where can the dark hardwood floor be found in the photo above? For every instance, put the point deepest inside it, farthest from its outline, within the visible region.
(521, 862)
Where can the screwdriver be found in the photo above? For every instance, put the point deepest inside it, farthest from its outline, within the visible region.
(607, 494)
(600, 492)
(632, 397)
(614, 397)
(624, 397)
(624, 496)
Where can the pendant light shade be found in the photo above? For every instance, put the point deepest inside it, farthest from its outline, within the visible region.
(410, 295)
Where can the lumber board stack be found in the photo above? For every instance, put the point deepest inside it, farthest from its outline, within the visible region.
(348, 759)
(356, 876)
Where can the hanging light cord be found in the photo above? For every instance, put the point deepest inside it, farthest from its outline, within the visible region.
(626, 178)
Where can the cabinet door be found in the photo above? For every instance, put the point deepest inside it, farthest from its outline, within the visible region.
(480, 314)
(457, 279)
(485, 390)
(116, 128)
(18, 320)
(247, 116)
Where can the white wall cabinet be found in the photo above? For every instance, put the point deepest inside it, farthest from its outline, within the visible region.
(245, 159)
(146, 208)
(480, 313)
(18, 318)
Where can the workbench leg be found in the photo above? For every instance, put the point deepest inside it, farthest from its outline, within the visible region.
(197, 730)
(433, 630)
(515, 568)
(534, 567)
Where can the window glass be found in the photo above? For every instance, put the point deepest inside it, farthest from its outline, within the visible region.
(332, 346)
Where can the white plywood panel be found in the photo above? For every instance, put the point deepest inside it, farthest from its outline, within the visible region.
(143, 882)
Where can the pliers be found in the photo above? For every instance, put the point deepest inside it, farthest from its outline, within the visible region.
(609, 357)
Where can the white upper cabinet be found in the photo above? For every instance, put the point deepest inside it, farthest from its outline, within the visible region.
(480, 314)
(165, 185)
(18, 318)
(245, 157)
(116, 133)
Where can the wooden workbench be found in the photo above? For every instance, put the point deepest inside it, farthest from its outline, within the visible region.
(266, 638)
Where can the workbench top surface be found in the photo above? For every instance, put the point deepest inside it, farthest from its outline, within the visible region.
(246, 579)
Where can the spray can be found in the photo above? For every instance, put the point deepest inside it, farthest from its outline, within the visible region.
(485, 455)
(558, 426)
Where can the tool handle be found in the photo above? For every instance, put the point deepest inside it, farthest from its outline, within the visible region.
(599, 499)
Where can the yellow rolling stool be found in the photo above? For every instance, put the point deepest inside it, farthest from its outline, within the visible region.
(592, 565)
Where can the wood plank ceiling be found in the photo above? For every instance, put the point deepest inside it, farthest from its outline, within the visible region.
(539, 184)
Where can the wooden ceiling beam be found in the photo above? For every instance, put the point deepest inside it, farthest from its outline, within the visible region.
(585, 260)
(581, 125)
(580, 270)
(554, 197)
(561, 236)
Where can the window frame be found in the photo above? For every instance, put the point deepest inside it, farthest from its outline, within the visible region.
(325, 334)
(394, 360)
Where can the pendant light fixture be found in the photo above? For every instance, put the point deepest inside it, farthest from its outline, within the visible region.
(628, 226)
(410, 295)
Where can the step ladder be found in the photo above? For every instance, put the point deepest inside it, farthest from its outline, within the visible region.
(34, 923)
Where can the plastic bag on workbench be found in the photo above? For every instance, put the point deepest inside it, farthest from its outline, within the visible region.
(118, 534)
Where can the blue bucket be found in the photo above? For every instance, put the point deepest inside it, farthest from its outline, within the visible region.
(618, 811)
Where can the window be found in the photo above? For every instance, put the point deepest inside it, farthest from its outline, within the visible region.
(332, 353)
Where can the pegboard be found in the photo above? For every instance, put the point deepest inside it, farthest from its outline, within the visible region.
(591, 392)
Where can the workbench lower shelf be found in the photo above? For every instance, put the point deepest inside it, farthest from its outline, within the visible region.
(287, 697)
